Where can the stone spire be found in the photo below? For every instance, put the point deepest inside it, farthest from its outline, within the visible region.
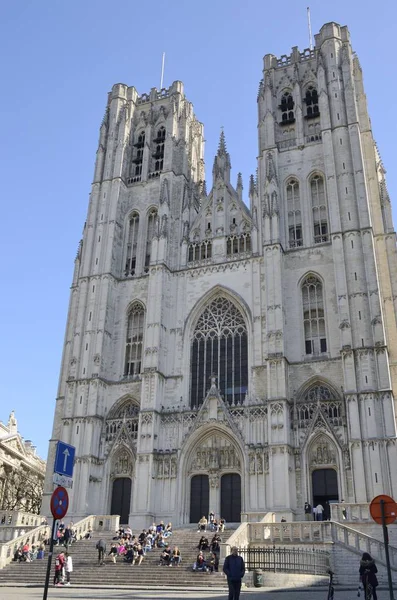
(239, 187)
(222, 165)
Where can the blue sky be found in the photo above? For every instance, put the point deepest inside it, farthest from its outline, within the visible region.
(59, 60)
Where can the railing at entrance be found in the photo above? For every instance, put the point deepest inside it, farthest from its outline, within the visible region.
(348, 511)
(316, 531)
(287, 560)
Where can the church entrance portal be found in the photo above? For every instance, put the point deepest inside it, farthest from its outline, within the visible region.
(121, 499)
(199, 498)
(231, 497)
(325, 486)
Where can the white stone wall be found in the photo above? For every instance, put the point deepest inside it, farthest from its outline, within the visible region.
(356, 265)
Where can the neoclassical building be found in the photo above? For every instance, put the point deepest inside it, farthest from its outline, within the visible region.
(22, 471)
(231, 356)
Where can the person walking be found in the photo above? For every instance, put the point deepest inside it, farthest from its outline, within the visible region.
(234, 569)
(68, 567)
(101, 547)
(368, 577)
(319, 512)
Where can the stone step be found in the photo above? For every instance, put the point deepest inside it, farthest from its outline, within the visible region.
(149, 573)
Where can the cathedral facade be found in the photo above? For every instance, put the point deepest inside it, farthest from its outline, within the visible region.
(226, 358)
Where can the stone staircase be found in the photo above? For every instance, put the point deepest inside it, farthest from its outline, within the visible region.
(149, 574)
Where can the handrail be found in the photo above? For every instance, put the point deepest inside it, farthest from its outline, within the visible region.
(20, 518)
(37, 535)
(34, 536)
(361, 542)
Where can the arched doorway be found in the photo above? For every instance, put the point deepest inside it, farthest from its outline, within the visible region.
(199, 497)
(121, 498)
(231, 497)
(325, 486)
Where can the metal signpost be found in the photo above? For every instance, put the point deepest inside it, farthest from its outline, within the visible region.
(383, 510)
(63, 473)
(59, 508)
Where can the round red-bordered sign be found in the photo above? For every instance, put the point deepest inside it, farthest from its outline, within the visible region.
(59, 503)
(390, 509)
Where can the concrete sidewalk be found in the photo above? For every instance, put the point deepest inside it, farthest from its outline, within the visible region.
(71, 593)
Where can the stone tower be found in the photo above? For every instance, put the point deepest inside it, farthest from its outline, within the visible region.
(215, 352)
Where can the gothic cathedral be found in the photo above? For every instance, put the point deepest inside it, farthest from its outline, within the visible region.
(226, 358)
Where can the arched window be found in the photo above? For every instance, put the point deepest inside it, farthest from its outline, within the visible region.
(318, 395)
(134, 341)
(311, 100)
(295, 238)
(313, 316)
(319, 209)
(151, 226)
(128, 415)
(287, 108)
(132, 245)
(219, 347)
(158, 154)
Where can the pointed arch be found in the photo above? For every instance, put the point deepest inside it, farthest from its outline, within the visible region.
(313, 313)
(218, 290)
(293, 211)
(134, 339)
(219, 345)
(319, 206)
(132, 233)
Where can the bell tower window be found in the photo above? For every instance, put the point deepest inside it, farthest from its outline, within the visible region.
(311, 101)
(158, 153)
(138, 159)
(287, 108)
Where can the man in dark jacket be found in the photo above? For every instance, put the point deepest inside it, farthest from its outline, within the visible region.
(234, 569)
(101, 547)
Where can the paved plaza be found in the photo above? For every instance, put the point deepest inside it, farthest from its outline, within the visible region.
(21, 593)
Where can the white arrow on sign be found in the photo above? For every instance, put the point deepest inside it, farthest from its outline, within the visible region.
(66, 454)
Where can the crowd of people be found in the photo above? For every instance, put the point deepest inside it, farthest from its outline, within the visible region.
(28, 553)
(132, 549)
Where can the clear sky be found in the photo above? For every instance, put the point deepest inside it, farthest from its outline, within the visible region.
(59, 60)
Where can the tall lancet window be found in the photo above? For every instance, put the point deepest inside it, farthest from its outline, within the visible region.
(134, 342)
(219, 347)
(151, 226)
(132, 245)
(158, 154)
(313, 316)
(319, 209)
(295, 239)
(139, 153)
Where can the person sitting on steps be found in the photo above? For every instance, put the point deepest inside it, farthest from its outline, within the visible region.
(165, 556)
(175, 557)
(203, 543)
(202, 524)
(200, 564)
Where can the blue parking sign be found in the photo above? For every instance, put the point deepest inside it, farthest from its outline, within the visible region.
(64, 459)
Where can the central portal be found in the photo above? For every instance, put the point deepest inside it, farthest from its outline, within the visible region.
(121, 499)
(325, 486)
